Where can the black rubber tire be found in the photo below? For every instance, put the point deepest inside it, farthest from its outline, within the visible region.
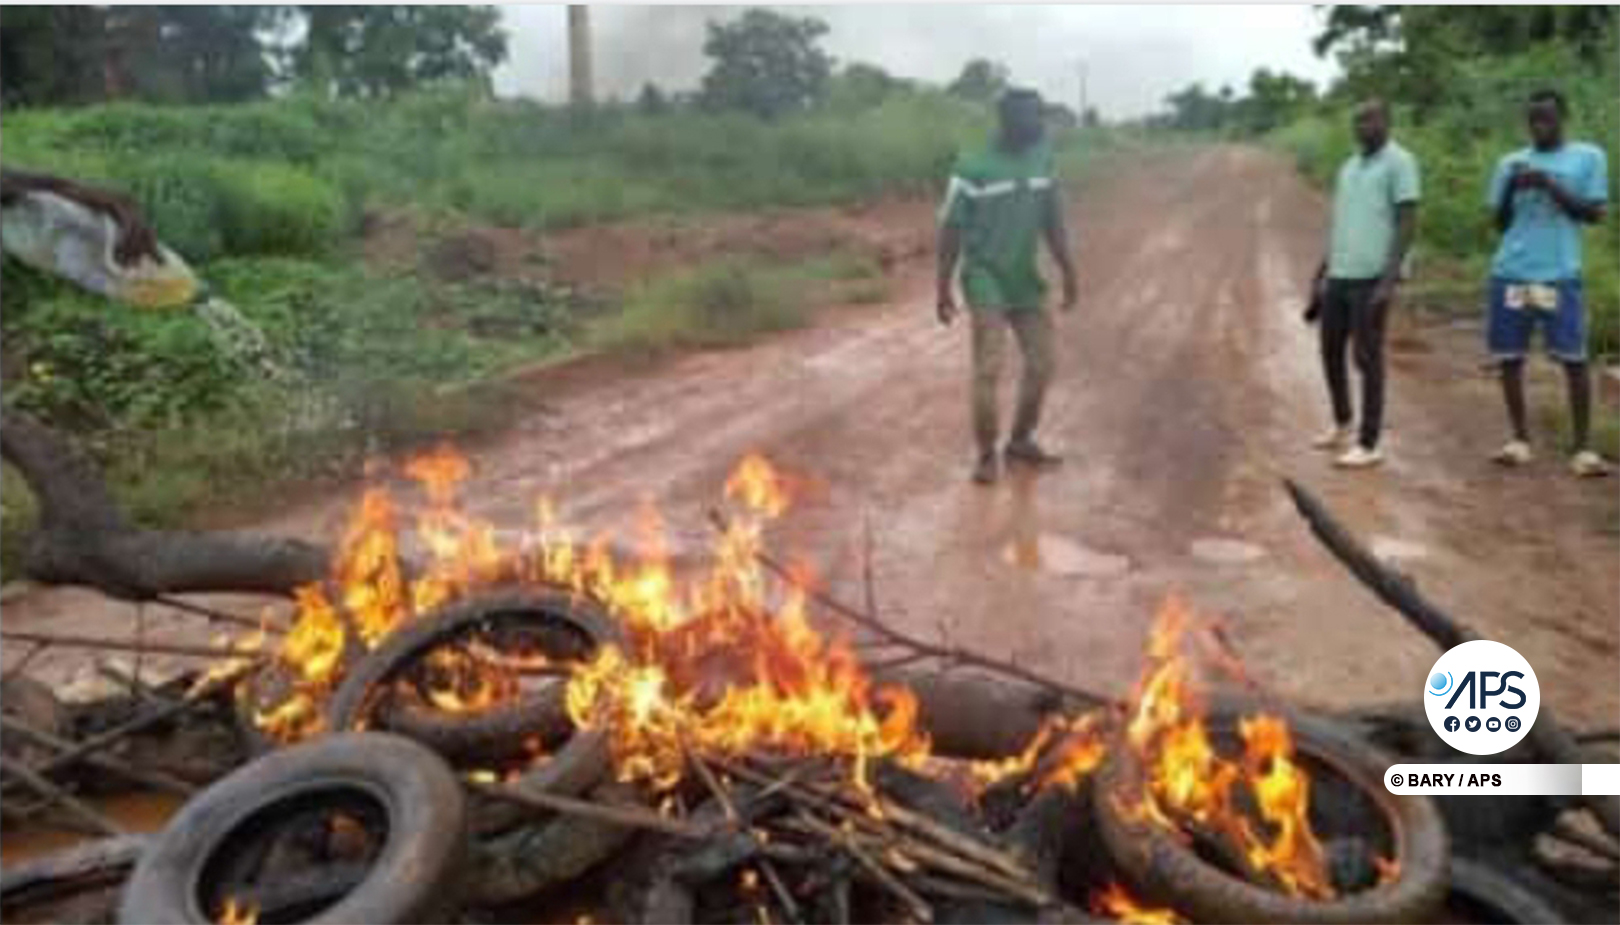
(486, 736)
(1162, 869)
(1481, 888)
(98, 866)
(414, 877)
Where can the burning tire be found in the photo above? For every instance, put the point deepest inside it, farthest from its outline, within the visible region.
(1164, 869)
(76, 885)
(343, 788)
(572, 629)
(1481, 893)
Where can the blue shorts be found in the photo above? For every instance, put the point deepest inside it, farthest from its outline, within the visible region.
(1517, 308)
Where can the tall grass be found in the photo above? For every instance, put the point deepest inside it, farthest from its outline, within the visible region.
(1457, 146)
(311, 163)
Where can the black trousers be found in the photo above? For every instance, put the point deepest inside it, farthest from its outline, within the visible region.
(1349, 316)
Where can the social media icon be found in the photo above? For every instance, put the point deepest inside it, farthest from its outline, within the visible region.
(1493, 724)
(1452, 723)
(1472, 725)
(1513, 724)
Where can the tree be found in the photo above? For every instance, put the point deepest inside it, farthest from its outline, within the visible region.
(189, 54)
(981, 81)
(765, 63)
(1194, 109)
(51, 54)
(861, 86)
(652, 101)
(372, 51)
(1412, 53)
(1274, 99)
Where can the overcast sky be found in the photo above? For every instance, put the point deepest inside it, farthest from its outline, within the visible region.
(1135, 54)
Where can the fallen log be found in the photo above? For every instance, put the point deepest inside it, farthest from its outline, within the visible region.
(84, 539)
(1546, 734)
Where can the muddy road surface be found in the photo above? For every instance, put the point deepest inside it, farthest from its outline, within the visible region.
(1188, 387)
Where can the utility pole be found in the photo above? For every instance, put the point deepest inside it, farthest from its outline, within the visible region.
(579, 55)
(1081, 65)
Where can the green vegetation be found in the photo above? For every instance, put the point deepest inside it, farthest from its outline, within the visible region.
(1458, 139)
(730, 303)
(270, 200)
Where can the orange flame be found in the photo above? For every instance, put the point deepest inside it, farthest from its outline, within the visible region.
(1118, 904)
(234, 913)
(1188, 780)
(715, 662)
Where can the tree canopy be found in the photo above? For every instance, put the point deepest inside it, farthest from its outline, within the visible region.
(765, 63)
(191, 54)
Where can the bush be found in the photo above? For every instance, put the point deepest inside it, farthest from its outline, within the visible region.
(714, 306)
(267, 208)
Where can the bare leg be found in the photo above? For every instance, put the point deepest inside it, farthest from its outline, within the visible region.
(1513, 397)
(1579, 376)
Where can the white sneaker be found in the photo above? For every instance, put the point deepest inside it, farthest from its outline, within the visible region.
(1359, 457)
(1335, 438)
(1513, 453)
(1587, 464)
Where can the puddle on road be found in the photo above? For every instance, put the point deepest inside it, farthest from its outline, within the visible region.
(1391, 549)
(1057, 555)
(1223, 550)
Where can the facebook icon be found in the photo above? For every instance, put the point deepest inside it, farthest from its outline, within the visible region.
(1452, 724)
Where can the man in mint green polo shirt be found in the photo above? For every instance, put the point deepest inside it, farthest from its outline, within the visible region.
(1002, 202)
(1374, 219)
(1541, 196)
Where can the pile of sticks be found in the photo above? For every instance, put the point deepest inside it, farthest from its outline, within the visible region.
(824, 845)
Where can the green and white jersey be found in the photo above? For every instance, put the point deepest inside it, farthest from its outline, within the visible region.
(1000, 202)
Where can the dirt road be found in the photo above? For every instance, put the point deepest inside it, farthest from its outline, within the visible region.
(1188, 386)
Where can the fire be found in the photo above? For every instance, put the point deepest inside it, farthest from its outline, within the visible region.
(723, 667)
(1120, 906)
(1190, 785)
(1060, 753)
(717, 661)
(233, 913)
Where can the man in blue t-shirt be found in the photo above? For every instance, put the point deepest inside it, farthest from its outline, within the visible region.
(1542, 195)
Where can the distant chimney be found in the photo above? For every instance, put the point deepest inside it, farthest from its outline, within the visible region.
(579, 55)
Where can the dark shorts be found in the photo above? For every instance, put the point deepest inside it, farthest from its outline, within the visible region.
(1516, 309)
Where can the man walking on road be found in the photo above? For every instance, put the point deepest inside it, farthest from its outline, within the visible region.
(1542, 195)
(1000, 204)
(1374, 219)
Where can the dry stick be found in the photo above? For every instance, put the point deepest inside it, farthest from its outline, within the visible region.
(894, 636)
(628, 816)
(118, 676)
(971, 871)
(126, 645)
(958, 842)
(964, 856)
(96, 743)
(1398, 591)
(222, 616)
(22, 663)
(919, 907)
(789, 907)
(157, 780)
(34, 781)
(903, 817)
(1566, 830)
(135, 685)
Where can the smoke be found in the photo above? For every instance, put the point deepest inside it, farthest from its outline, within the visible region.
(1133, 56)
